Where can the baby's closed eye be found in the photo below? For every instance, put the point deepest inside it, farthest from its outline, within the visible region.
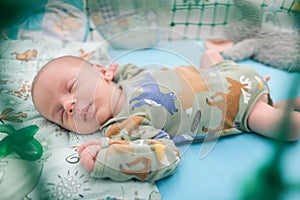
(60, 114)
(70, 85)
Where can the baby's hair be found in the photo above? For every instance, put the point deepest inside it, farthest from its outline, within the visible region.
(64, 59)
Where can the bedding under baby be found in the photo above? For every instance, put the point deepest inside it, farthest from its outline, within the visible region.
(58, 173)
(211, 170)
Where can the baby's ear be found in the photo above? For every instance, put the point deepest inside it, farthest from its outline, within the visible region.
(107, 74)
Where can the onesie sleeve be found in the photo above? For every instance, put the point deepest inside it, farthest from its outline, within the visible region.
(127, 71)
(132, 151)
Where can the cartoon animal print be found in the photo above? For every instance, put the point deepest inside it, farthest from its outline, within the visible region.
(196, 121)
(86, 56)
(191, 82)
(65, 25)
(229, 103)
(153, 96)
(8, 115)
(26, 56)
(160, 151)
(159, 148)
(119, 146)
(143, 173)
(24, 91)
(129, 125)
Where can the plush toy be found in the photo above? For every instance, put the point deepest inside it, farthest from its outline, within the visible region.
(251, 38)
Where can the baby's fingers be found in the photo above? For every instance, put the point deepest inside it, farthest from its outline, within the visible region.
(89, 143)
(88, 156)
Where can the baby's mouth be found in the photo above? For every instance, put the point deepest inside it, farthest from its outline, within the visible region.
(87, 112)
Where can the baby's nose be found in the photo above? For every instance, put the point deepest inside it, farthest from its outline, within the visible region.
(69, 107)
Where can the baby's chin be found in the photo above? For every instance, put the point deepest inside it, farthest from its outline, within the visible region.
(86, 129)
(86, 125)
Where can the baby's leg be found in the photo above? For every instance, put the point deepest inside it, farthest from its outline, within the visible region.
(210, 58)
(295, 104)
(264, 119)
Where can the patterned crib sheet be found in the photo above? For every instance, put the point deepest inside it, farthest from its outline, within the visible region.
(65, 20)
(58, 173)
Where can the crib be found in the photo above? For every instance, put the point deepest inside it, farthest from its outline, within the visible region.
(39, 160)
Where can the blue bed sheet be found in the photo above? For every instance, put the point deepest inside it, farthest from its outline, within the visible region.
(218, 170)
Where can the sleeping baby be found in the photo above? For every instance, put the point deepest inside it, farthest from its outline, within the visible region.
(139, 111)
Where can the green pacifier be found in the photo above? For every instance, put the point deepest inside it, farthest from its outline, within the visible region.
(20, 141)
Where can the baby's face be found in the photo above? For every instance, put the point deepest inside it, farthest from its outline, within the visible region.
(76, 95)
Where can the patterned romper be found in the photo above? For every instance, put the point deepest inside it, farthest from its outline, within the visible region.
(174, 105)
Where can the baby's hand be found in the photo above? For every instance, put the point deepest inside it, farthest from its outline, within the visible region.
(88, 153)
(113, 68)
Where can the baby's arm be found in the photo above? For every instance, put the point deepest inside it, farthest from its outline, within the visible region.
(145, 159)
(127, 71)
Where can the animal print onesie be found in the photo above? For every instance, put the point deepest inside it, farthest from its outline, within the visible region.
(173, 104)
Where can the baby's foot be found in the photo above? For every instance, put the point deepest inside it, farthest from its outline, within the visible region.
(219, 45)
(88, 153)
(210, 58)
(267, 78)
